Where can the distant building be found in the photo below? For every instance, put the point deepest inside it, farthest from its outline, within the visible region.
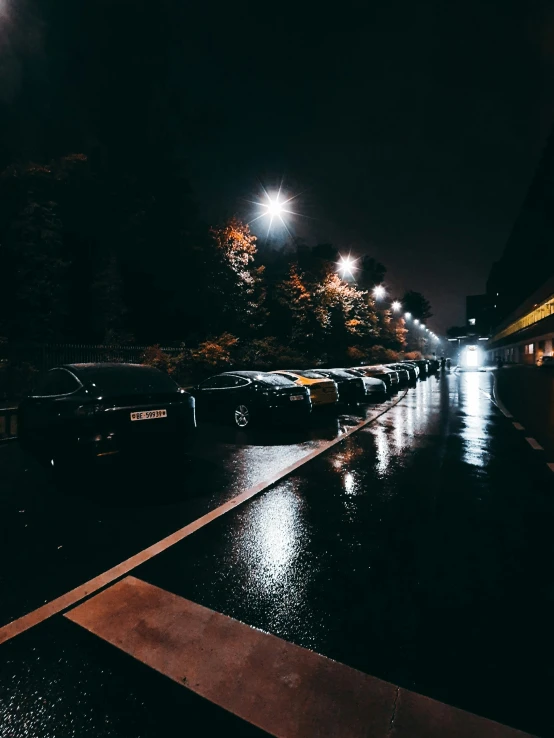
(479, 315)
(520, 287)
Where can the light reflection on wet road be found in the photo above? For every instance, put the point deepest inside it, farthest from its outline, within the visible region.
(418, 550)
(402, 552)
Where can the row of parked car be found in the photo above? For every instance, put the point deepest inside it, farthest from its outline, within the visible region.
(98, 409)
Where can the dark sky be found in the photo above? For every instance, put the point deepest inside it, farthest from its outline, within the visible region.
(412, 129)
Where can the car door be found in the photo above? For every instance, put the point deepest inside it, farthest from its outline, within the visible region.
(212, 395)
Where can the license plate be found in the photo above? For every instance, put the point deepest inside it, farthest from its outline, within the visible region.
(149, 415)
(297, 397)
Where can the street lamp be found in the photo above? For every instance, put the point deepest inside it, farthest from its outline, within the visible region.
(379, 292)
(416, 321)
(273, 207)
(346, 265)
(407, 316)
(396, 306)
(422, 326)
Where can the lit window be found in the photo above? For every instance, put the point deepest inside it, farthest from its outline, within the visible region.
(529, 348)
(472, 321)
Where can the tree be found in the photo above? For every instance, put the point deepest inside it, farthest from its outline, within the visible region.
(371, 272)
(32, 254)
(416, 304)
(456, 331)
(234, 283)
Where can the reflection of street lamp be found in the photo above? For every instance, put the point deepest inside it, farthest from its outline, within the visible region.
(379, 292)
(396, 306)
(346, 265)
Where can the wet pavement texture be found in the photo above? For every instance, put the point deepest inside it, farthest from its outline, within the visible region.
(528, 393)
(419, 551)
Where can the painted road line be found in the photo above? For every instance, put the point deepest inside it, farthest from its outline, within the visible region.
(497, 401)
(518, 426)
(550, 466)
(534, 444)
(281, 688)
(20, 625)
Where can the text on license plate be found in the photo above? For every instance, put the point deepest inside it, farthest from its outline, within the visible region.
(149, 415)
(297, 397)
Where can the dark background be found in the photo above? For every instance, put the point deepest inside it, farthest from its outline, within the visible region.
(412, 130)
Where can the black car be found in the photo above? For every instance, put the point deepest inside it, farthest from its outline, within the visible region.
(243, 398)
(411, 370)
(97, 410)
(351, 389)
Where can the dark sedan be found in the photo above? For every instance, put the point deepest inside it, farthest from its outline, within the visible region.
(96, 410)
(407, 372)
(351, 389)
(242, 398)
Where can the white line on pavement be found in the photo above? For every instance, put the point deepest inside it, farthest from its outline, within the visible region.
(282, 688)
(518, 426)
(550, 466)
(534, 444)
(20, 625)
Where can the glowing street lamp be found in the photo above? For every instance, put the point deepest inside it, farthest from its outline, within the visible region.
(407, 316)
(396, 306)
(346, 266)
(422, 326)
(273, 207)
(416, 321)
(379, 292)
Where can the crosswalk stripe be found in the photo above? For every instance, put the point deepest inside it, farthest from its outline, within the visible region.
(284, 689)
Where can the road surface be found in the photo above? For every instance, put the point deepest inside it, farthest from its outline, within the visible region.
(410, 559)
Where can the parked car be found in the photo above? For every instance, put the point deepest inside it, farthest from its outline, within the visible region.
(374, 388)
(96, 410)
(412, 365)
(242, 398)
(404, 377)
(323, 390)
(423, 368)
(389, 376)
(547, 362)
(351, 389)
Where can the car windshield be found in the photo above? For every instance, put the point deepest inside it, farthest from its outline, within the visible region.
(276, 380)
(127, 380)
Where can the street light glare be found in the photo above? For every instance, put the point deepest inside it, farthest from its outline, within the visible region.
(347, 265)
(416, 321)
(274, 207)
(396, 306)
(379, 291)
(423, 325)
(407, 316)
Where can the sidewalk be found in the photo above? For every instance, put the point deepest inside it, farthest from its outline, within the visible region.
(528, 394)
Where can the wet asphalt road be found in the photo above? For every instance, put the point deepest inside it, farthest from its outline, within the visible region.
(419, 550)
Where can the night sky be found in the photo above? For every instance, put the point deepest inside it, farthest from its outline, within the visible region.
(412, 130)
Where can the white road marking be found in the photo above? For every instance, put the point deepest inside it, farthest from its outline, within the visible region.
(20, 625)
(518, 426)
(282, 688)
(550, 466)
(534, 444)
(497, 401)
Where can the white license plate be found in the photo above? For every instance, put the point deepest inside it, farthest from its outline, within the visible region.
(149, 415)
(297, 397)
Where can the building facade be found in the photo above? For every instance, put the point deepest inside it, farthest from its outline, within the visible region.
(520, 287)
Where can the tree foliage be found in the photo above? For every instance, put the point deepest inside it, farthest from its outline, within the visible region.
(416, 304)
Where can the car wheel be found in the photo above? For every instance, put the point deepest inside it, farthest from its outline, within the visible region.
(242, 417)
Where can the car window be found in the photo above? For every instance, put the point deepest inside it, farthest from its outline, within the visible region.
(313, 375)
(241, 382)
(222, 381)
(56, 382)
(126, 379)
(288, 376)
(275, 380)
